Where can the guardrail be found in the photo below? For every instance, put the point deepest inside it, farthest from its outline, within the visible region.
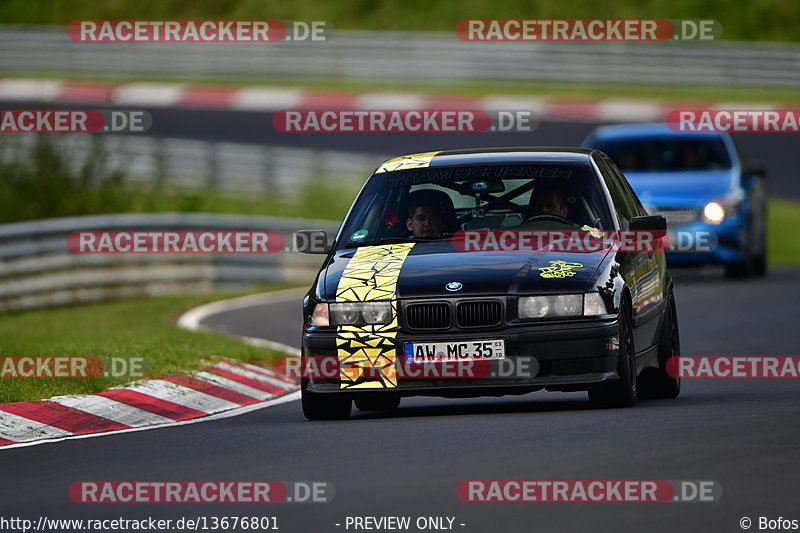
(378, 55)
(38, 270)
(189, 163)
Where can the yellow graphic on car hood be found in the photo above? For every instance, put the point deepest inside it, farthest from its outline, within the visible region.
(406, 162)
(559, 269)
(367, 354)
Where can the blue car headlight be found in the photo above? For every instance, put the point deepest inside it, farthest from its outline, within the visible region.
(715, 211)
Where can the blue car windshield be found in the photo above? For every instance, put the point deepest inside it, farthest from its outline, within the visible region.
(434, 203)
(667, 153)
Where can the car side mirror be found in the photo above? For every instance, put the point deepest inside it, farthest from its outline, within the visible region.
(312, 241)
(649, 223)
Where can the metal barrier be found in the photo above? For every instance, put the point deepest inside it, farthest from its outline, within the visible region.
(379, 55)
(38, 270)
(189, 163)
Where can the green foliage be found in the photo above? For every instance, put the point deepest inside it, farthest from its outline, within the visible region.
(45, 182)
(765, 20)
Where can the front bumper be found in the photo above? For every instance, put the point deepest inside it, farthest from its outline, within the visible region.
(546, 355)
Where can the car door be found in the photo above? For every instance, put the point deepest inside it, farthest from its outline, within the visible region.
(638, 268)
(651, 273)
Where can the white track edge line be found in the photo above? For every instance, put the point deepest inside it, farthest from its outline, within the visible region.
(226, 414)
(191, 319)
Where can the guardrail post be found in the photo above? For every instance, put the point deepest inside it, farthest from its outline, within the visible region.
(268, 168)
(213, 165)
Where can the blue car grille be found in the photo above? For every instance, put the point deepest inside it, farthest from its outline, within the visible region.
(677, 217)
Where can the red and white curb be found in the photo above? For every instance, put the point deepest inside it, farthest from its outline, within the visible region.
(219, 389)
(275, 99)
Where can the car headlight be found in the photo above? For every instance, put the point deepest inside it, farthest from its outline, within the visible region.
(551, 305)
(589, 304)
(715, 211)
(593, 304)
(320, 315)
(360, 313)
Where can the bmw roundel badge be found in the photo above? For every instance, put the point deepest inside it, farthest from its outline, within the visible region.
(453, 286)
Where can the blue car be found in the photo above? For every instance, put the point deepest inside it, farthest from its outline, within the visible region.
(714, 203)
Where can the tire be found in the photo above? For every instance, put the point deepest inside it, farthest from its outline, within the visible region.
(737, 270)
(385, 401)
(621, 393)
(324, 406)
(749, 266)
(656, 383)
(760, 261)
(760, 265)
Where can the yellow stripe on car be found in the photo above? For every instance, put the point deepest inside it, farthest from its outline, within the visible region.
(370, 275)
(406, 162)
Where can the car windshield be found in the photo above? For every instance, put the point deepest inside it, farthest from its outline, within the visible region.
(434, 203)
(667, 153)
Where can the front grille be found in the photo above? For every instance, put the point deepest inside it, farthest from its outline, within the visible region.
(428, 316)
(677, 217)
(476, 314)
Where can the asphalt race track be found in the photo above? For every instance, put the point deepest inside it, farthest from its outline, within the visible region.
(741, 433)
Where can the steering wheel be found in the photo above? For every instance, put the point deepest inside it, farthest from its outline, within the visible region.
(537, 218)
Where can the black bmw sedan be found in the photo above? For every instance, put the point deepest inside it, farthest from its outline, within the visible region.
(489, 272)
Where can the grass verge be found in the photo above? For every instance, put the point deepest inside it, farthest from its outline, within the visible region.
(143, 328)
(783, 219)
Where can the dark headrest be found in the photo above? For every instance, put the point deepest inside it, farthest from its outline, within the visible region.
(439, 199)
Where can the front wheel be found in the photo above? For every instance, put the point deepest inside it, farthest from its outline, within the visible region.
(754, 262)
(621, 393)
(656, 382)
(324, 406)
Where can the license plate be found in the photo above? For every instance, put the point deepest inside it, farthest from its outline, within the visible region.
(442, 352)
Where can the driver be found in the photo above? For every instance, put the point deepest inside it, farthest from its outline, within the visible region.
(424, 221)
(550, 200)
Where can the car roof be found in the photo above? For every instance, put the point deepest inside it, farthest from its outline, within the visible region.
(655, 129)
(515, 155)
